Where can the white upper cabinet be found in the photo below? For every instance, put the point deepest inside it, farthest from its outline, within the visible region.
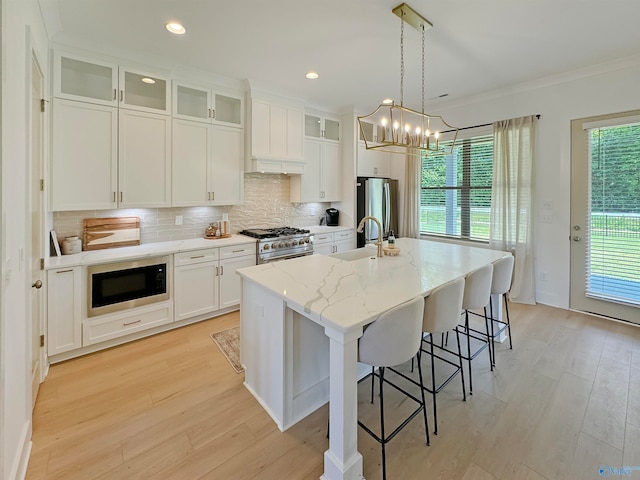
(144, 160)
(207, 164)
(318, 126)
(372, 163)
(209, 105)
(84, 167)
(277, 138)
(320, 181)
(94, 81)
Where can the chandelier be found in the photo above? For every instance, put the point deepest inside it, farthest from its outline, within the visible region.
(397, 129)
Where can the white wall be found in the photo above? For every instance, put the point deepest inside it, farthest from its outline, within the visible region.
(599, 90)
(22, 29)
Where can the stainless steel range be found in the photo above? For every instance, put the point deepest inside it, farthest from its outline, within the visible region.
(282, 243)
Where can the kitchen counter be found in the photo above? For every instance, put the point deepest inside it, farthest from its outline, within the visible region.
(317, 229)
(301, 320)
(140, 251)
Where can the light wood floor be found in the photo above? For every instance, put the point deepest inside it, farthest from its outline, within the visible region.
(563, 402)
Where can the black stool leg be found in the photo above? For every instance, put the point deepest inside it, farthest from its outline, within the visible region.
(433, 386)
(493, 335)
(466, 326)
(373, 380)
(506, 310)
(384, 458)
(424, 403)
(486, 323)
(464, 393)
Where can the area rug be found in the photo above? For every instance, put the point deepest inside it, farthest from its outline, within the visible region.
(229, 343)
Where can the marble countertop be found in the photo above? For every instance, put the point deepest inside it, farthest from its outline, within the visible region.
(349, 294)
(317, 229)
(141, 251)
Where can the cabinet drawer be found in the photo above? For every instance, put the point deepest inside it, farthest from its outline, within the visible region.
(323, 238)
(195, 256)
(237, 251)
(346, 235)
(99, 330)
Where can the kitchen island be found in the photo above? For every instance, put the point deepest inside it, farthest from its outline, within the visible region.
(301, 320)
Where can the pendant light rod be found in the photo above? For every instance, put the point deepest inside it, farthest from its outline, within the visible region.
(412, 17)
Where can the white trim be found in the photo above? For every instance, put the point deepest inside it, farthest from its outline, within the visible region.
(612, 122)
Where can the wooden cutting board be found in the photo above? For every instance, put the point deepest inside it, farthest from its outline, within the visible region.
(115, 232)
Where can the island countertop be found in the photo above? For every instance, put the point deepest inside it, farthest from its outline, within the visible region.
(347, 294)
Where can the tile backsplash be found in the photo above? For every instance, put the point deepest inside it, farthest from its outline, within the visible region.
(266, 204)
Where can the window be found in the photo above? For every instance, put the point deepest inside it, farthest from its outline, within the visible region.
(455, 195)
(613, 234)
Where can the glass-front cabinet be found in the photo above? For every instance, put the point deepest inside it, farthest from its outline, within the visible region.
(86, 80)
(104, 83)
(316, 126)
(192, 102)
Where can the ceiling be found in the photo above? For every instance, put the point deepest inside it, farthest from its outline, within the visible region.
(474, 46)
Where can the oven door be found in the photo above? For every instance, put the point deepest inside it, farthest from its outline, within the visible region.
(119, 286)
(263, 260)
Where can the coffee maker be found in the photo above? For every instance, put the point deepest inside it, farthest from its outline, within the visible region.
(332, 217)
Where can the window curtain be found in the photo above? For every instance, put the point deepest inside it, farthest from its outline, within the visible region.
(512, 200)
(411, 214)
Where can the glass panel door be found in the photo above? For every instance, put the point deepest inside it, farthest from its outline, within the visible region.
(312, 126)
(227, 109)
(605, 216)
(144, 92)
(331, 129)
(85, 80)
(192, 103)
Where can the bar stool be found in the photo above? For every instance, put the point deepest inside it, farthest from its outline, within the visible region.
(394, 338)
(477, 293)
(500, 285)
(441, 313)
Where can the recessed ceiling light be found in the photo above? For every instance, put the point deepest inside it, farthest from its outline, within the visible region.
(312, 75)
(148, 80)
(175, 27)
(387, 101)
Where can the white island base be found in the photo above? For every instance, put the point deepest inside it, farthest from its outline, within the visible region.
(300, 323)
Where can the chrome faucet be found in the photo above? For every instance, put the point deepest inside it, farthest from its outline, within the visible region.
(380, 232)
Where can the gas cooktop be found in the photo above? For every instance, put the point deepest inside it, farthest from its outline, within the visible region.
(273, 232)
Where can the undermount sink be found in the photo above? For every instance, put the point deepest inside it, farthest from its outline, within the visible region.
(357, 254)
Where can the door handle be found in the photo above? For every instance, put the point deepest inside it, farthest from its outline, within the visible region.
(576, 238)
(37, 284)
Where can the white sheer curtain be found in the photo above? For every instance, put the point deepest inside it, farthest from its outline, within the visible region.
(512, 200)
(411, 213)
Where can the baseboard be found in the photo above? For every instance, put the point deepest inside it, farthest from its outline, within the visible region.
(21, 461)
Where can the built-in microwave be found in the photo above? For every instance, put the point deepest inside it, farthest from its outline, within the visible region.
(119, 286)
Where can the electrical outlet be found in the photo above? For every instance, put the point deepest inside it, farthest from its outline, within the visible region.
(178, 219)
(546, 217)
(547, 204)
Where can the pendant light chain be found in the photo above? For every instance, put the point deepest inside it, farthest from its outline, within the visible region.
(423, 69)
(402, 61)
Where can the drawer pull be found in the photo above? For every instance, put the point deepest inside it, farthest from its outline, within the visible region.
(126, 324)
(197, 256)
(65, 271)
(238, 251)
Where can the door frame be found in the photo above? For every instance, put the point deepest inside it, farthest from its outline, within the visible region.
(579, 196)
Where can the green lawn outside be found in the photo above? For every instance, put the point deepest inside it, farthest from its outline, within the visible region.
(615, 254)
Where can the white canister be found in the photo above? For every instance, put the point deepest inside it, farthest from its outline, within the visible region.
(71, 245)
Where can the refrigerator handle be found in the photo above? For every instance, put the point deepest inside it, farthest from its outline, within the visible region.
(387, 209)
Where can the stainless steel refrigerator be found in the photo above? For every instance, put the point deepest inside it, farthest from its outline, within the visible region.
(377, 197)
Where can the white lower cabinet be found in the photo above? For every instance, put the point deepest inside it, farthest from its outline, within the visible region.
(333, 242)
(107, 327)
(232, 258)
(195, 283)
(206, 280)
(64, 316)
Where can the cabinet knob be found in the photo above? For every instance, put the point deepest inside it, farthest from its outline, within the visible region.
(37, 284)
